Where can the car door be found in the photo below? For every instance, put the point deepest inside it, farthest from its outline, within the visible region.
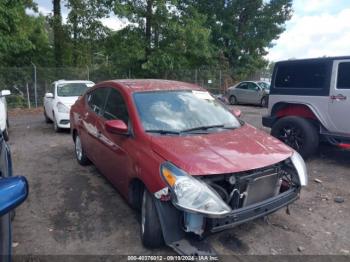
(253, 93)
(241, 92)
(48, 102)
(114, 161)
(93, 109)
(339, 103)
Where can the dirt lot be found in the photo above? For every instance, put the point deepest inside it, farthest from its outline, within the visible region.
(74, 210)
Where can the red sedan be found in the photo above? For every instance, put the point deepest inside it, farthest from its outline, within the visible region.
(183, 158)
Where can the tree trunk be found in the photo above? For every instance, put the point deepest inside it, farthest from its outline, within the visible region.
(149, 15)
(57, 32)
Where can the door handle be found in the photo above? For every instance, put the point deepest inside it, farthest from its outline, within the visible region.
(339, 97)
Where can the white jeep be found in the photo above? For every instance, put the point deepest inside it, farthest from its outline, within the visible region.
(309, 102)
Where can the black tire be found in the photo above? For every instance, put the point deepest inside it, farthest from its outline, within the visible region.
(80, 152)
(298, 133)
(151, 231)
(55, 126)
(233, 100)
(5, 134)
(47, 119)
(265, 101)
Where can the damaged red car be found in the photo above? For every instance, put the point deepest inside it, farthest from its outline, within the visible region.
(182, 158)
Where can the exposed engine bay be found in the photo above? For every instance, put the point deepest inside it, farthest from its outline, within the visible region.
(241, 191)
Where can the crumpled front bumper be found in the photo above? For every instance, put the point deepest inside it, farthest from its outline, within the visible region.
(175, 237)
(252, 212)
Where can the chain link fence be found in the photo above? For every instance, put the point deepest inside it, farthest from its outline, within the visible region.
(28, 85)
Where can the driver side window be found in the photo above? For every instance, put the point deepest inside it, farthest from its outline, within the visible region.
(116, 107)
(96, 100)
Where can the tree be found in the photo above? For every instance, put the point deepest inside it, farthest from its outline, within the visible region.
(242, 30)
(170, 39)
(85, 27)
(58, 33)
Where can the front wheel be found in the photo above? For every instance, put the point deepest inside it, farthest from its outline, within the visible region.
(5, 134)
(265, 101)
(80, 153)
(55, 125)
(298, 133)
(151, 231)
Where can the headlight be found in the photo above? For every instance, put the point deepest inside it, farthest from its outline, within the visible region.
(300, 166)
(192, 194)
(62, 108)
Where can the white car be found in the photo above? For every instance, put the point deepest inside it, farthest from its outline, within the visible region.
(4, 123)
(58, 101)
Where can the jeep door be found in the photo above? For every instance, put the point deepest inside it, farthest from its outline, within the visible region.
(339, 105)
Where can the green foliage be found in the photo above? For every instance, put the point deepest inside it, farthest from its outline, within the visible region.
(161, 36)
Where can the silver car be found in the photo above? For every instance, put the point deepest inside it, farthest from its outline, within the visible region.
(249, 92)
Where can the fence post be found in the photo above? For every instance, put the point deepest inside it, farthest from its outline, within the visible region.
(220, 77)
(28, 95)
(88, 72)
(35, 87)
(196, 76)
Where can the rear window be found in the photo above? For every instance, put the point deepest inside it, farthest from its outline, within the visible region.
(301, 75)
(343, 76)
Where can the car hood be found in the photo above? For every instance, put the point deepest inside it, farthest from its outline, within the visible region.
(238, 150)
(69, 100)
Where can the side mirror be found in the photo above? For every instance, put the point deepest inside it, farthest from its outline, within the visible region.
(49, 95)
(5, 93)
(236, 112)
(117, 127)
(13, 191)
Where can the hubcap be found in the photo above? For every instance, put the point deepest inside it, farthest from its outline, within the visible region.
(292, 136)
(78, 148)
(143, 213)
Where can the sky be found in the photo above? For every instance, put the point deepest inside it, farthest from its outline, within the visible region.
(317, 28)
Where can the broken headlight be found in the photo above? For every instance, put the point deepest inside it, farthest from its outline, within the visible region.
(300, 167)
(192, 194)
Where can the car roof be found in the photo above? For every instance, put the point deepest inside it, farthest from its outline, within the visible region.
(326, 58)
(142, 85)
(73, 81)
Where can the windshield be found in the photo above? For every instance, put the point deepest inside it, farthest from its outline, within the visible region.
(264, 85)
(71, 89)
(182, 111)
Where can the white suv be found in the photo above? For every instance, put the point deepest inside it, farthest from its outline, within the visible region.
(4, 123)
(63, 95)
(309, 103)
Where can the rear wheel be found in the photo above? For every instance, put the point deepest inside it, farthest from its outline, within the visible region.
(298, 133)
(151, 231)
(80, 153)
(233, 100)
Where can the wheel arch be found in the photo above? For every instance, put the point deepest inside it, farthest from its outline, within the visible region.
(283, 109)
(135, 190)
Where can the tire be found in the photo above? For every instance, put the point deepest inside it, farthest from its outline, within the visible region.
(265, 102)
(47, 119)
(233, 100)
(5, 134)
(79, 152)
(55, 126)
(298, 133)
(151, 231)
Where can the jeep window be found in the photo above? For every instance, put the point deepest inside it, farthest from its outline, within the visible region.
(301, 75)
(343, 81)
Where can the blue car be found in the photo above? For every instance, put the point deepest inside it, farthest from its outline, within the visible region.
(13, 191)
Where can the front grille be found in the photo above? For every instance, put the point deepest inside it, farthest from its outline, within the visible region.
(64, 122)
(248, 188)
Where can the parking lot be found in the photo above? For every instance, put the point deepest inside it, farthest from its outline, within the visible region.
(74, 210)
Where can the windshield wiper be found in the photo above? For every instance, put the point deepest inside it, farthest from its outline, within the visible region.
(164, 132)
(202, 128)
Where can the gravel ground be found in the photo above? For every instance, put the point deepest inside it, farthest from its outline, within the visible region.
(74, 210)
